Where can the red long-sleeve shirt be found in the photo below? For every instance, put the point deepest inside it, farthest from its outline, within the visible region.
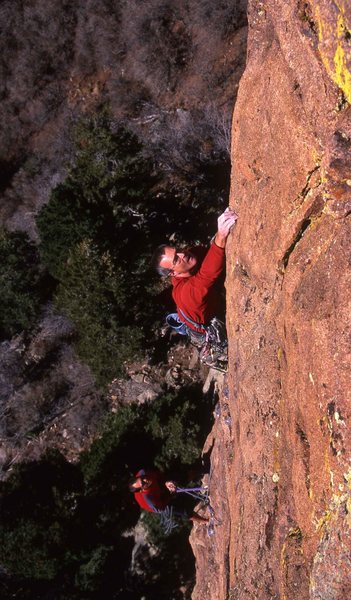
(196, 295)
(156, 497)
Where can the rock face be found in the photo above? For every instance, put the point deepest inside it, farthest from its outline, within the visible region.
(211, 548)
(288, 282)
(289, 306)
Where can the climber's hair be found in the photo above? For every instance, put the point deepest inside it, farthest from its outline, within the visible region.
(156, 259)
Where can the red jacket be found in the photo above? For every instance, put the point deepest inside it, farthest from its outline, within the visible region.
(156, 497)
(196, 295)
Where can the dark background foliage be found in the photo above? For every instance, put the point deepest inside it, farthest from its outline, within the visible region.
(21, 284)
(62, 526)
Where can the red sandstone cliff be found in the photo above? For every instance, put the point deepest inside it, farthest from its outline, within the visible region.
(286, 472)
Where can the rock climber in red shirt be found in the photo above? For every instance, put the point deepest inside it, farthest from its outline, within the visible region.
(154, 493)
(151, 490)
(193, 279)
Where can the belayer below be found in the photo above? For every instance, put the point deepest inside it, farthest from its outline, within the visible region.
(154, 494)
(197, 299)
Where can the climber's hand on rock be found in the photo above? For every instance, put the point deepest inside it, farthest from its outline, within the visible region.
(225, 222)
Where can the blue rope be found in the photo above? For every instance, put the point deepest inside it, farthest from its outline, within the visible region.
(202, 495)
(166, 520)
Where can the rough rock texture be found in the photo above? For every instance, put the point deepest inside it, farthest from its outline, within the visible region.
(288, 283)
(289, 311)
(212, 550)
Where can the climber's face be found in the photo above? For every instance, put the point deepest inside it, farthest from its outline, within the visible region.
(180, 263)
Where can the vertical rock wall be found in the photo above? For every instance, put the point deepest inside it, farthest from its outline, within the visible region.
(288, 285)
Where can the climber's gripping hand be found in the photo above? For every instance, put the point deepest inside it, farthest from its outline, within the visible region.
(225, 223)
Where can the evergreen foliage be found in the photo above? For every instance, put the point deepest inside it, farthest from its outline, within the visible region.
(63, 525)
(89, 576)
(37, 512)
(168, 433)
(94, 295)
(91, 236)
(173, 421)
(20, 280)
(62, 225)
(101, 195)
(110, 166)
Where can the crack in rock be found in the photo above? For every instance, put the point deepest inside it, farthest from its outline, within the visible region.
(303, 227)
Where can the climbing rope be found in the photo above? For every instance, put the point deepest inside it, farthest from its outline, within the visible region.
(166, 520)
(202, 494)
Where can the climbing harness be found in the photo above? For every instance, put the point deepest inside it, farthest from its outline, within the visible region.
(211, 339)
(193, 323)
(214, 352)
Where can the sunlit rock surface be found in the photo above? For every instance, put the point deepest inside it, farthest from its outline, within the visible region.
(288, 290)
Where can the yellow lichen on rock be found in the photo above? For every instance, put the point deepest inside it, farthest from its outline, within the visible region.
(334, 24)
